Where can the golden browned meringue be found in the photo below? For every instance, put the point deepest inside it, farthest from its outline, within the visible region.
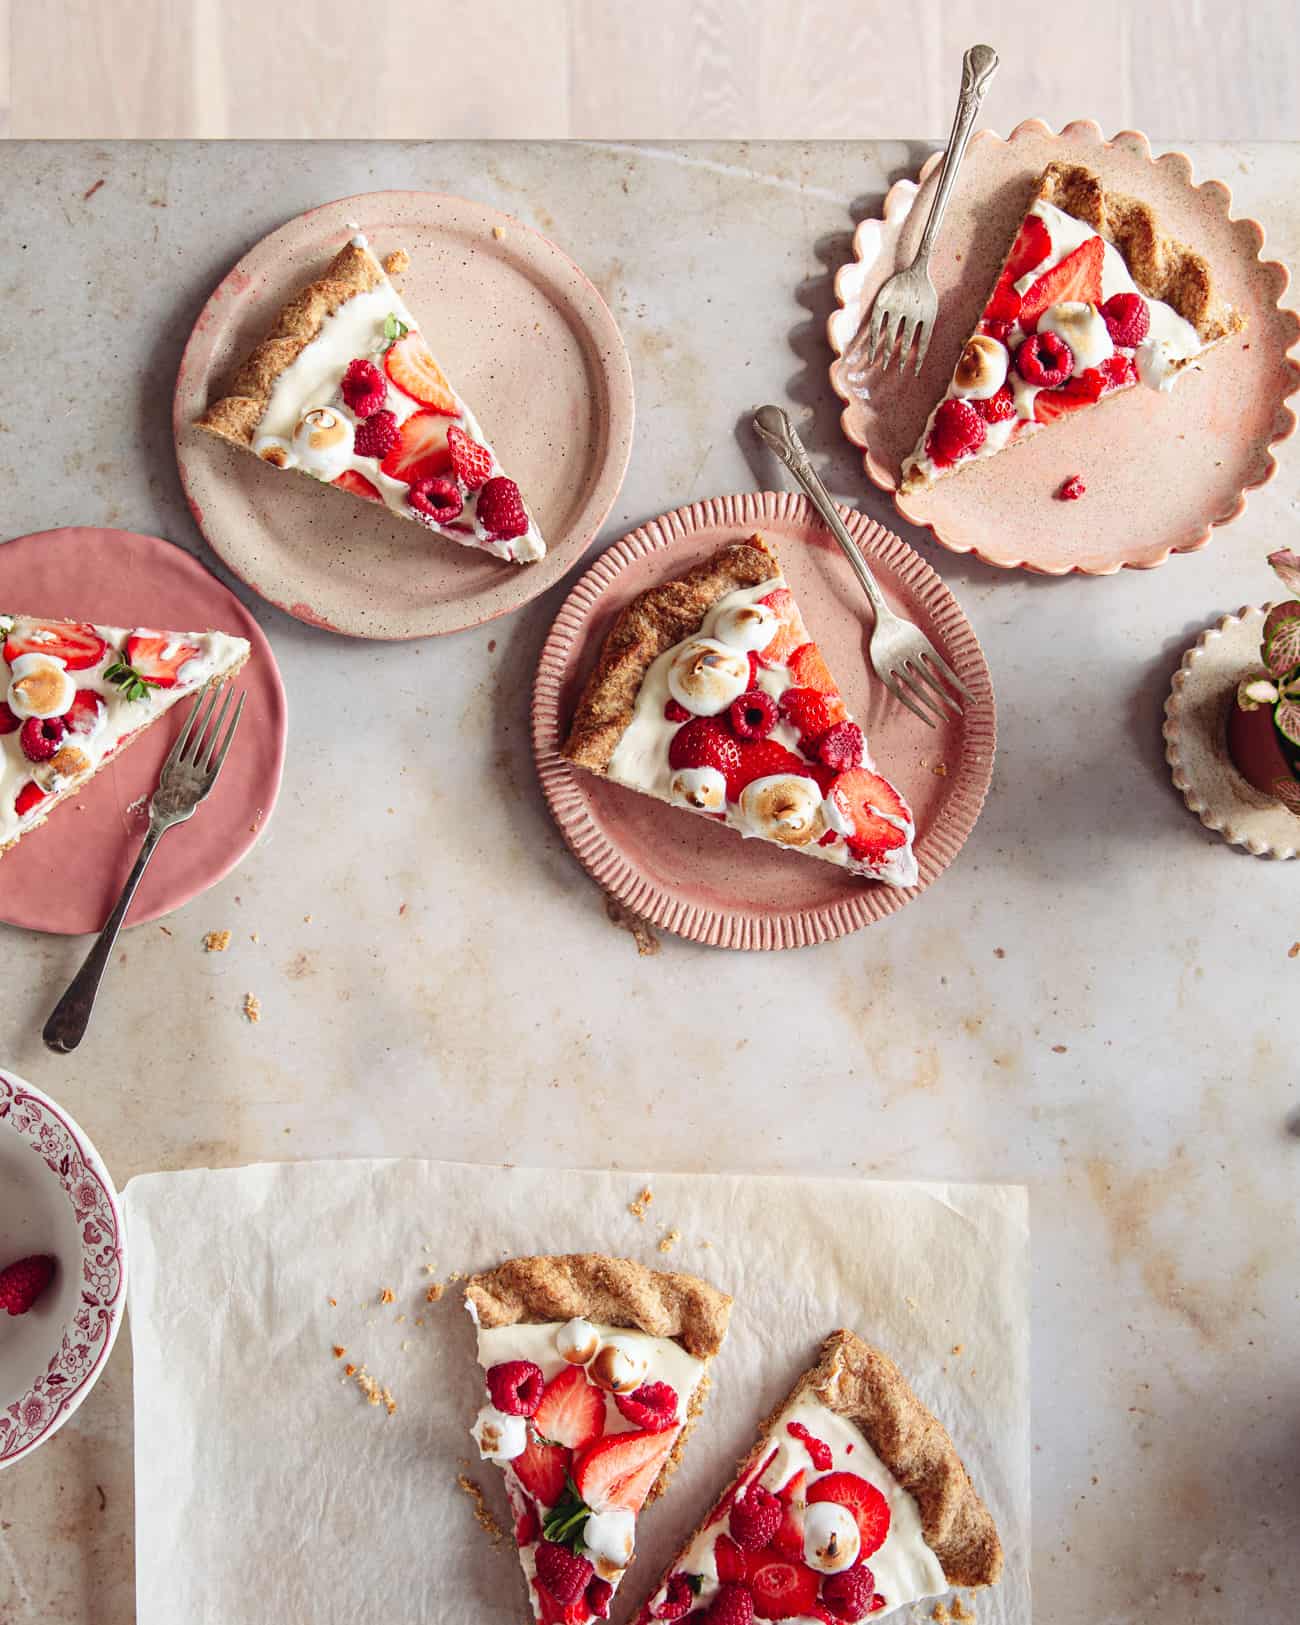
(786, 807)
(981, 368)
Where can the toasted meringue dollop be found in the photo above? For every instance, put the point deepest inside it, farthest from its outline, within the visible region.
(703, 788)
(785, 807)
(577, 1341)
(41, 686)
(746, 626)
(1083, 329)
(831, 1538)
(322, 442)
(271, 449)
(499, 1437)
(1158, 362)
(609, 1537)
(619, 1368)
(981, 368)
(706, 676)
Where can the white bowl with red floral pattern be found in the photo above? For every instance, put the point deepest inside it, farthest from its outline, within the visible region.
(56, 1197)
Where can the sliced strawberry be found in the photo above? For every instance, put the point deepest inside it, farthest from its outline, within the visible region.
(620, 1471)
(1081, 390)
(528, 1526)
(724, 1506)
(551, 1612)
(358, 484)
(788, 1539)
(9, 723)
(782, 1589)
(31, 795)
(813, 711)
(732, 1563)
(572, 1410)
(86, 712)
(472, 462)
(1076, 277)
(410, 364)
(707, 742)
(75, 643)
(421, 451)
(862, 796)
(1117, 372)
(542, 1469)
(863, 1500)
(809, 670)
(791, 632)
(762, 759)
(158, 656)
(1032, 246)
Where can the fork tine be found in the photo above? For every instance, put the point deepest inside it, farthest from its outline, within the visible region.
(893, 327)
(230, 735)
(931, 685)
(192, 750)
(888, 679)
(923, 331)
(904, 678)
(873, 338)
(949, 675)
(906, 328)
(178, 749)
(217, 726)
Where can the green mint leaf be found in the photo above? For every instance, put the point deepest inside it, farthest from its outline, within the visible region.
(394, 328)
(128, 679)
(568, 1520)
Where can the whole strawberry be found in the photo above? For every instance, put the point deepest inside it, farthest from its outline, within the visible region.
(22, 1283)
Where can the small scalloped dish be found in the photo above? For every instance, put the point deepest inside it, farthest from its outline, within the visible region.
(1161, 470)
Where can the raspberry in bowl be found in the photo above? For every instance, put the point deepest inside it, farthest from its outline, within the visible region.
(59, 1319)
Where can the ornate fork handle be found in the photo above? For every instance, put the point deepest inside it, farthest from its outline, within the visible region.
(978, 66)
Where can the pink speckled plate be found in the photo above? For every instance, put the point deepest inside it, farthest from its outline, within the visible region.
(527, 340)
(694, 877)
(1161, 470)
(67, 875)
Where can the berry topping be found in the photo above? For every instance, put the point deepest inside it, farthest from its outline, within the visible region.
(783, 1589)
(728, 1500)
(364, 389)
(753, 715)
(755, 1519)
(41, 737)
(435, 497)
(730, 1561)
(788, 1539)
(564, 1574)
(572, 1412)
(412, 368)
(862, 797)
(863, 1500)
(86, 713)
(472, 462)
(22, 1283)
(997, 408)
(1127, 318)
(673, 712)
(818, 1449)
(763, 759)
(527, 1526)
(653, 1406)
(1081, 390)
(731, 1605)
(75, 643)
(958, 430)
(1032, 246)
(848, 1594)
(358, 484)
(1076, 278)
(997, 328)
(156, 658)
(9, 723)
(599, 1596)
(377, 436)
(1002, 309)
(809, 670)
(1117, 372)
(678, 1598)
(421, 450)
(620, 1471)
(707, 742)
(1045, 359)
(31, 795)
(501, 510)
(542, 1470)
(1072, 489)
(790, 633)
(813, 712)
(516, 1387)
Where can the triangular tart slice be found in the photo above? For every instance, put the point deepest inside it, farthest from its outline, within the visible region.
(711, 694)
(1093, 299)
(345, 388)
(73, 694)
(596, 1370)
(852, 1503)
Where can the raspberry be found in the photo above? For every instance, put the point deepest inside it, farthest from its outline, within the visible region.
(678, 1601)
(732, 1605)
(997, 408)
(9, 723)
(842, 747)
(41, 737)
(848, 1594)
(1117, 371)
(653, 1406)
(753, 715)
(1127, 319)
(812, 712)
(599, 1596)
(377, 436)
(1045, 359)
(527, 1526)
(472, 463)
(501, 509)
(564, 1574)
(364, 388)
(516, 1387)
(996, 330)
(1072, 489)
(22, 1283)
(818, 1449)
(755, 1519)
(706, 742)
(434, 497)
(673, 712)
(761, 759)
(958, 430)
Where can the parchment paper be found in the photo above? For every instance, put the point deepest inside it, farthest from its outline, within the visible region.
(270, 1492)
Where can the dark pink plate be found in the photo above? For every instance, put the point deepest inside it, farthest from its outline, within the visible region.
(691, 876)
(67, 875)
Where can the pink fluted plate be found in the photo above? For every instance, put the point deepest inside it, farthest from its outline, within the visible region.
(1161, 470)
(694, 877)
(66, 875)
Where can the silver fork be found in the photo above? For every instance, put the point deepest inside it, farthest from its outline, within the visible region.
(187, 777)
(906, 306)
(901, 654)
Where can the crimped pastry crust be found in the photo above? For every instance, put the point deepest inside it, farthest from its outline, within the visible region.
(863, 1385)
(235, 416)
(653, 622)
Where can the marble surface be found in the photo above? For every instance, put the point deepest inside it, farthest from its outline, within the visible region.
(1093, 1001)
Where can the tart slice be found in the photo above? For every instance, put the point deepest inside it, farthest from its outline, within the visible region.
(710, 694)
(346, 389)
(1092, 299)
(596, 1370)
(852, 1503)
(72, 694)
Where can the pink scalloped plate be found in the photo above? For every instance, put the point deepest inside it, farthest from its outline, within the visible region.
(1161, 470)
(56, 1197)
(530, 344)
(66, 875)
(691, 876)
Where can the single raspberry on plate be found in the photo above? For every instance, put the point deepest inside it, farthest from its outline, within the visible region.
(673, 712)
(501, 510)
(435, 497)
(365, 389)
(22, 1283)
(997, 408)
(958, 430)
(472, 462)
(1127, 318)
(678, 1599)
(1045, 359)
(41, 737)
(842, 747)
(1072, 489)
(516, 1387)
(753, 715)
(706, 742)
(731, 1605)
(755, 1519)
(652, 1406)
(848, 1594)
(9, 723)
(564, 1574)
(377, 436)
(599, 1596)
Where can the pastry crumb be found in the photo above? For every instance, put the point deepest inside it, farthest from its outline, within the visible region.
(166, 930)
(455, 1276)
(397, 262)
(669, 1240)
(387, 1295)
(1293, 952)
(375, 1392)
(216, 942)
(306, 919)
(499, 232)
(999, 953)
(252, 1008)
(339, 1351)
(253, 937)
(940, 1613)
(1059, 1049)
(646, 941)
(960, 1610)
(435, 1292)
(940, 770)
(482, 1513)
(958, 1347)
(637, 1208)
(912, 1304)
(333, 1302)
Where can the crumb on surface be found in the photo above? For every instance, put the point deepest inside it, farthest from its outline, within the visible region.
(637, 1207)
(1293, 952)
(435, 1292)
(646, 941)
(387, 1295)
(1059, 1049)
(375, 1392)
(912, 1303)
(669, 1240)
(958, 1347)
(397, 262)
(940, 770)
(482, 1512)
(333, 1303)
(455, 1276)
(339, 1351)
(166, 930)
(960, 1610)
(306, 919)
(253, 937)
(999, 953)
(252, 1008)
(499, 233)
(216, 942)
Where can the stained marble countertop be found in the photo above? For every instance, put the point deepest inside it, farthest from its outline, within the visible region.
(1094, 1000)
